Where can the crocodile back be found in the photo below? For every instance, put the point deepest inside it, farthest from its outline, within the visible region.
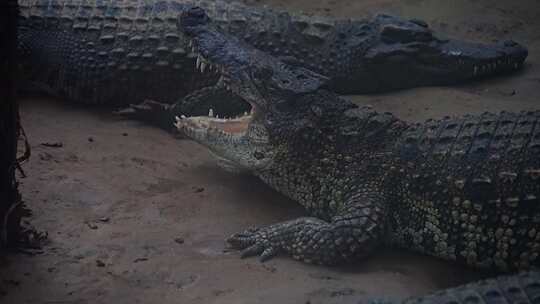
(92, 49)
(470, 188)
(115, 52)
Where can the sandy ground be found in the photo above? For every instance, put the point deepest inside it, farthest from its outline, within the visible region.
(137, 216)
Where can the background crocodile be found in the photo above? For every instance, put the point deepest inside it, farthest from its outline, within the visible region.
(520, 288)
(115, 51)
(463, 189)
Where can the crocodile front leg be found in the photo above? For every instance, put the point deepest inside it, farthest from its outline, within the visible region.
(353, 232)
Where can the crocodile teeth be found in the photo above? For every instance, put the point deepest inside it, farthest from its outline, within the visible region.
(182, 116)
(220, 81)
(516, 66)
(198, 64)
(210, 113)
(475, 72)
(203, 67)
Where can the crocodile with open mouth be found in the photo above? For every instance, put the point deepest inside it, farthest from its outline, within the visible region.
(115, 52)
(464, 189)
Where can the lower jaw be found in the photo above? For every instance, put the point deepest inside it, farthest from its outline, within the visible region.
(468, 74)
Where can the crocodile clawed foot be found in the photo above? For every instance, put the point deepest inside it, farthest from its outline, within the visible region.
(253, 242)
(154, 112)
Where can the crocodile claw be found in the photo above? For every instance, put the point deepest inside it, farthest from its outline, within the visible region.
(253, 242)
(151, 111)
(148, 107)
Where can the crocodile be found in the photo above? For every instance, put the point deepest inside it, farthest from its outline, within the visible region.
(112, 52)
(523, 287)
(107, 53)
(464, 189)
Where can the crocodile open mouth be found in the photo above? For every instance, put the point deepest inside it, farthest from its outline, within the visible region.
(214, 123)
(193, 125)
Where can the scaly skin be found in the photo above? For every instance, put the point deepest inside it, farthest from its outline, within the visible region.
(520, 288)
(92, 53)
(114, 51)
(463, 189)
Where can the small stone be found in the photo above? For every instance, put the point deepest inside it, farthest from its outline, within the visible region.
(179, 240)
(52, 144)
(199, 190)
(100, 263)
(509, 92)
(90, 139)
(92, 225)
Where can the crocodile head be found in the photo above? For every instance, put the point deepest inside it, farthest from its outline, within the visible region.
(407, 53)
(272, 88)
(294, 124)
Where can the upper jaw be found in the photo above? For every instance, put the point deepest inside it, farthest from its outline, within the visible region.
(245, 70)
(477, 60)
(443, 63)
(200, 128)
(228, 57)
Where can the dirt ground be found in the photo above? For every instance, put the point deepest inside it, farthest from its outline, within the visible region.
(135, 215)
